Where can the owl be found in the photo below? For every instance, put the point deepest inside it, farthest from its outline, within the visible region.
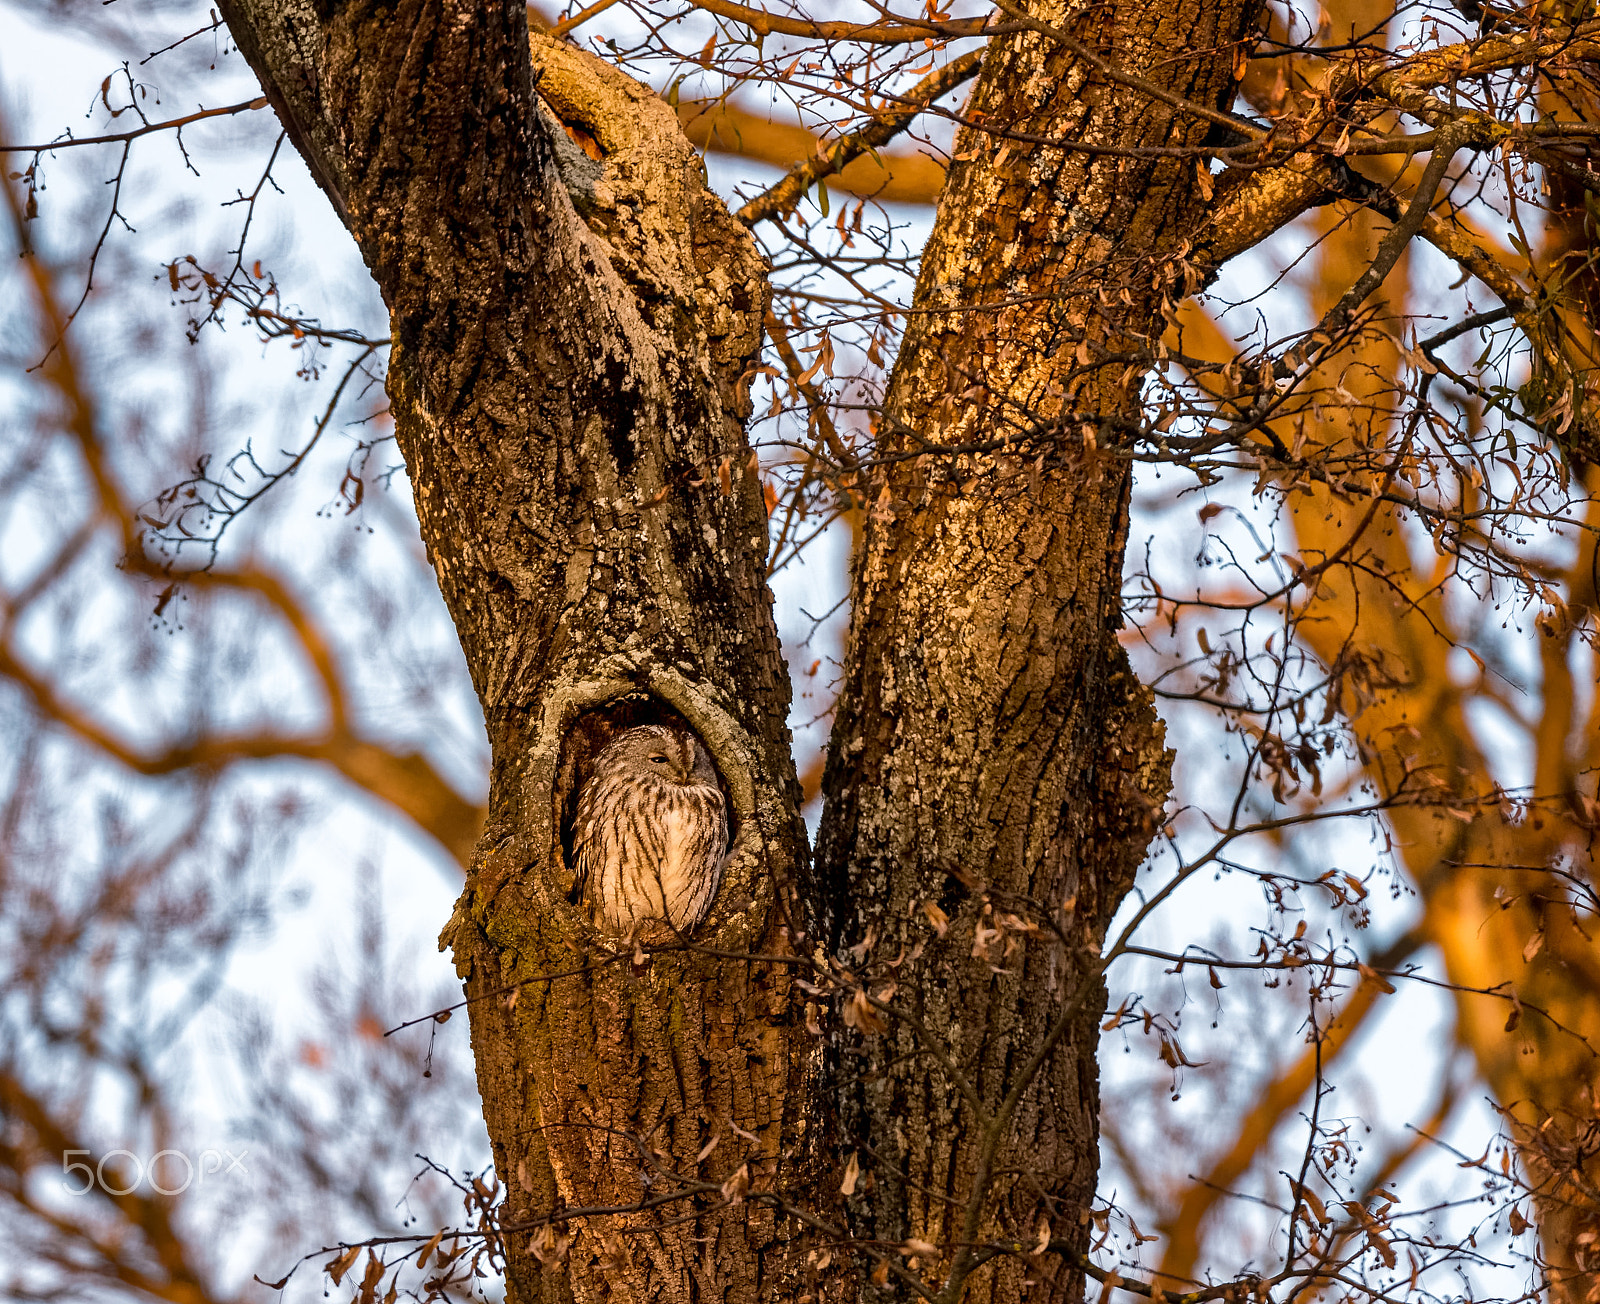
(650, 835)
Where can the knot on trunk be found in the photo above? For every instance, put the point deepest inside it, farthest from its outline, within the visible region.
(641, 187)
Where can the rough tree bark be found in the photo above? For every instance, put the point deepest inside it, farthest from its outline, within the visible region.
(569, 404)
(570, 338)
(994, 759)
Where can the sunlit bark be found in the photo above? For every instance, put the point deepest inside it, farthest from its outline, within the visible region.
(993, 759)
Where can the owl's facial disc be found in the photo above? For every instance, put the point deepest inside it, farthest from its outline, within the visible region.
(664, 756)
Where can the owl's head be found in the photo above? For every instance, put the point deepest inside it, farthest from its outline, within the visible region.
(658, 752)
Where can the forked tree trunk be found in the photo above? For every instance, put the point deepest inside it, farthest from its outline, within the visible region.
(566, 386)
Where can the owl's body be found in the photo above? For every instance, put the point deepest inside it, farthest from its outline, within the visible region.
(650, 835)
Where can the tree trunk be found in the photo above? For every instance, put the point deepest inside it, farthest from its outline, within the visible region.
(994, 760)
(570, 341)
(569, 401)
